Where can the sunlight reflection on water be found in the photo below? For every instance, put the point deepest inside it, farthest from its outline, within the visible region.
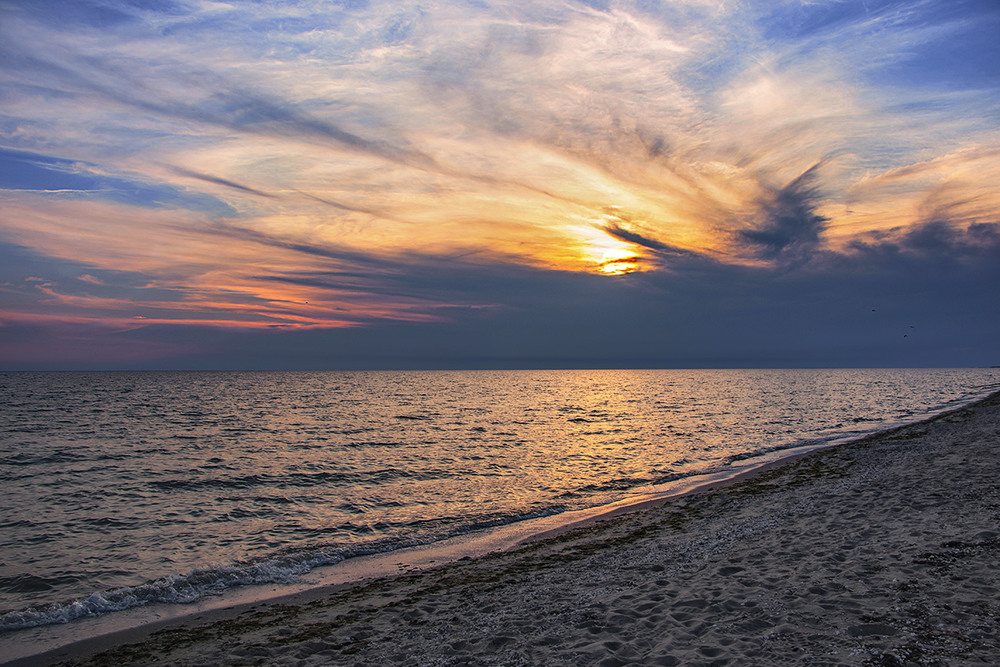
(115, 479)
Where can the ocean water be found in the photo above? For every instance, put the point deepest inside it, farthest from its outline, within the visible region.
(121, 489)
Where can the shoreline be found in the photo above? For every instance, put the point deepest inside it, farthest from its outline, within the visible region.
(355, 570)
(77, 637)
(598, 536)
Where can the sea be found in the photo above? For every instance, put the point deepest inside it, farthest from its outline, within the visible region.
(122, 489)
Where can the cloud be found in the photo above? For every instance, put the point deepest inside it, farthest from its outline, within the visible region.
(221, 181)
(791, 229)
(638, 239)
(372, 159)
(20, 170)
(938, 242)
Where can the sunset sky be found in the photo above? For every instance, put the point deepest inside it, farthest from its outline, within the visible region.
(466, 183)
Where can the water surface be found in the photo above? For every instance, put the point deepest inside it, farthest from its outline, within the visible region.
(127, 488)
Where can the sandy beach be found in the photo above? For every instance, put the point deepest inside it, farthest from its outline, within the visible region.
(883, 551)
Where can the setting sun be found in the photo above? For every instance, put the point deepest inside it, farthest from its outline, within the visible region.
(609, 255)
(619, 262)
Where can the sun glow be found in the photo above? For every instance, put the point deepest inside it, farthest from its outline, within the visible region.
(619, 262)
(604, 253)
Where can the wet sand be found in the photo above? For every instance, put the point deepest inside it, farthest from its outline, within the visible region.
(884, 551)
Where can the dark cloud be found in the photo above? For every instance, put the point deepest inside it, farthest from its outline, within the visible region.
(984, 234)
(221, 181)
(944, 240)
(938, 242)
(934, 238)
(790, 229)
(660, 248)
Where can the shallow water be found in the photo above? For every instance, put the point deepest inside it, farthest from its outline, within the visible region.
(127, 488)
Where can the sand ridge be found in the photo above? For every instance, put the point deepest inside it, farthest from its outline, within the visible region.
(884, 551)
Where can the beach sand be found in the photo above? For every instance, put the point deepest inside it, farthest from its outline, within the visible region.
(884, 551)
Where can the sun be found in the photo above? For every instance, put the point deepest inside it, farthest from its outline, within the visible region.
(618, 262)
(603, 253)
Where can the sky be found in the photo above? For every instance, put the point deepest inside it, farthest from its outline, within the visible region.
(307, 184)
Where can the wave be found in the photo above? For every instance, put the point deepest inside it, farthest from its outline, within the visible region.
(295, 479)
(284, 568)
(176, 589)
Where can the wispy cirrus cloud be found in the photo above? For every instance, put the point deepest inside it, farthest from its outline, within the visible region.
(255, 157)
